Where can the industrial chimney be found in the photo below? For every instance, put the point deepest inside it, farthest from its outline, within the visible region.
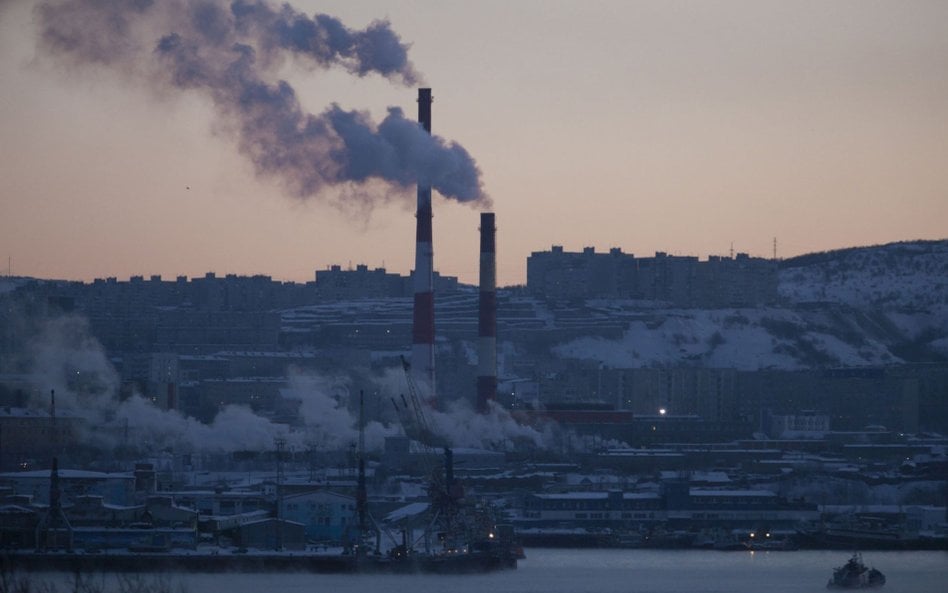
(487, 320)
(423, 332)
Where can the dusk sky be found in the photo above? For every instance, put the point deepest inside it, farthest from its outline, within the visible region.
(683, 127)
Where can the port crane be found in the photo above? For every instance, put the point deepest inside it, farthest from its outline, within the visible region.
(451, 520)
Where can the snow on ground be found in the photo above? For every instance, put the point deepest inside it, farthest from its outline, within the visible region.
(745, 339)
(892, 277)
(917, 323)
(940, 346)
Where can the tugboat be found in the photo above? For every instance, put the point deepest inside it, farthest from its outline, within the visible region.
(855, 575)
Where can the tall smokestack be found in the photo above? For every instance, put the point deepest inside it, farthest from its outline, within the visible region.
(423, 329)
(487, 320)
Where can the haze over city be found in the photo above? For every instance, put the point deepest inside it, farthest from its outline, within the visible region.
(678, 127)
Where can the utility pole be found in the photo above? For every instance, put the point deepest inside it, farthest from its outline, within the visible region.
(361, 492)
(280, 446)
(53, 429)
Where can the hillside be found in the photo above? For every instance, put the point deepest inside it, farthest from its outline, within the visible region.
(905, 276)
(856, 307)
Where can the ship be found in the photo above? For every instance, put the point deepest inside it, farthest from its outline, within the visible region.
(766, 541)
(855, 575)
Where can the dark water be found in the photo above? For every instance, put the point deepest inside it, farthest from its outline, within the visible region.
(598, 571)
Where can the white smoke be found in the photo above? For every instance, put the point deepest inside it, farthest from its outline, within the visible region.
(67, 359)
(229, 53)
(325, 408)
(495, 430)
(461, 426)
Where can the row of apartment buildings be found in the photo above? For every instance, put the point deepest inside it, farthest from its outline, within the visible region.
(683, 281)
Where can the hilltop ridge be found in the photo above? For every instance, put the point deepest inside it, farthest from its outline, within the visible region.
(861, 306)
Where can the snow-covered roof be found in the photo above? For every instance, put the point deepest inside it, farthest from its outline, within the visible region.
(575, 496)
(67, 474)
(410, 510)
(14, 509)
(269, 519)
(724, 493)
(697, 476)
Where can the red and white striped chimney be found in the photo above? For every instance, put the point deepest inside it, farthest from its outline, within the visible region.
(487, 320)
(423, 329)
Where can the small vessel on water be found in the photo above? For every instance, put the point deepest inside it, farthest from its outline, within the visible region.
(765, 541)
(855, 575)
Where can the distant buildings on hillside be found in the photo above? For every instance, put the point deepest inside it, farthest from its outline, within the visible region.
(683, 281)
(198, 345)
(362, 282)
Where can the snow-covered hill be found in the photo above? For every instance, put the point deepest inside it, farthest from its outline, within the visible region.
(745, 339)
(850, 308)
(908, 276)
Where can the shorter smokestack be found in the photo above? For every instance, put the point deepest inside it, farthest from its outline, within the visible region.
(487, 319)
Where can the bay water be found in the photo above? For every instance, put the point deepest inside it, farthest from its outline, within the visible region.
(583, 571)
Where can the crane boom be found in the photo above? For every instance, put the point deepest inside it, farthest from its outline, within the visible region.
(420, 428)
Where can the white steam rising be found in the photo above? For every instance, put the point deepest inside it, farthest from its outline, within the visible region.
(67, 359)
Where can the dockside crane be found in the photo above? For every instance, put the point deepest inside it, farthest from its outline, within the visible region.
(445, 493)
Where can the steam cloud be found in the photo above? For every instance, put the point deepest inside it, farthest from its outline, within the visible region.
(64, 356)
(225, 51)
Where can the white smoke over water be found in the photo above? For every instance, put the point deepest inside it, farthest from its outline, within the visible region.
(227, 52)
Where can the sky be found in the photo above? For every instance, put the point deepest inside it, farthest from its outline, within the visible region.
(684, 127)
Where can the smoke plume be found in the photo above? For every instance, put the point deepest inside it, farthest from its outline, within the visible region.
(65, 356)
(227, 51)
(462, 426)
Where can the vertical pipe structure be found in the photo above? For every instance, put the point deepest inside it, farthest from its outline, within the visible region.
(423, 329)
(487, 318)
(362, 497)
